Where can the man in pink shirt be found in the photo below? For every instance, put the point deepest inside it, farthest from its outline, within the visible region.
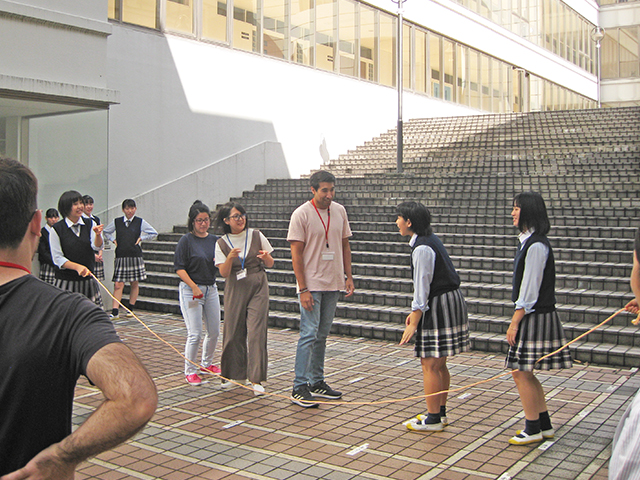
(319, 236)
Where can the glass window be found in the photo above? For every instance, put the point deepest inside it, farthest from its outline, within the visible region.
(485, 79)
(406, 56)
(421, 61)
(449, 63)
(140, 12)
(435, 65)
(113, 10)
(347, 37)
(609, 55)
(245, 25)
(325, 34)
(214, 20)
(474, 79)
(387, 49)
(179, 16)
(462, 72)
(302, 32)
(629, 52)
(274, 28)
(368, 44)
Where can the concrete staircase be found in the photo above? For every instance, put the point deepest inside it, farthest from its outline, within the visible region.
(586, 164)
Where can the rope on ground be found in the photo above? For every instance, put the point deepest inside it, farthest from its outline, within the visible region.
(378, 402)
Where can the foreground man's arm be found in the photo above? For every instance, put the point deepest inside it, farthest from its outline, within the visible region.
(130, 402)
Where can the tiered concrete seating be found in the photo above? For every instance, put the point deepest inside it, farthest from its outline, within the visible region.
(586, 164)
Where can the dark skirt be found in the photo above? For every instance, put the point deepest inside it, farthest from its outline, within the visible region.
(87, 287)
(129, 269)
(443, 330)
(98, 270)
(538, 335)
(47, 273)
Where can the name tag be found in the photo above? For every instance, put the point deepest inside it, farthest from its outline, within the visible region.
(328, 256)
(241, 274)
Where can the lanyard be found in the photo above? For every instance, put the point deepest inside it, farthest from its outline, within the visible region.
(326, 227)
(246, 238)
(14, 265)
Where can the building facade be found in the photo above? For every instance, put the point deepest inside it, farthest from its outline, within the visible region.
(167, 101)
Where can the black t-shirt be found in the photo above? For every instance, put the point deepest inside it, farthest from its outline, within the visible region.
(47, 337)
(196, 256)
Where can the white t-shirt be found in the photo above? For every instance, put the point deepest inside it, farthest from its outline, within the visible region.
(237, 241)
(321, 275)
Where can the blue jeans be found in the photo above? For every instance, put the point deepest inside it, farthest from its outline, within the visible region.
(195, 312)
(314, 329)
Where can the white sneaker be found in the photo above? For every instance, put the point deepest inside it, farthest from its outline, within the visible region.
(419, 426)
(257, 389)
(524, 439)
(546, 434)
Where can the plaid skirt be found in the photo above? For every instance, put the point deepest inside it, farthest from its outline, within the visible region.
(87, 287)
(98, 270)
(443, 330)
(538, 335)
(47, 273)
(129, 269)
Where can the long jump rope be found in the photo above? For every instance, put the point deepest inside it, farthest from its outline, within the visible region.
(378, 402)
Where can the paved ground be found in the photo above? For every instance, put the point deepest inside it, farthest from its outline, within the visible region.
(205, 432)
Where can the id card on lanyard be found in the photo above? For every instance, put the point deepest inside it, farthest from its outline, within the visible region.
(327, 255)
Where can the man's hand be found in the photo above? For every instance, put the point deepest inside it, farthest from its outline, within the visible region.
(306, 300)
(49, 464)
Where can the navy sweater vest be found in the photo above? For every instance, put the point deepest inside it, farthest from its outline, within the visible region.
(445, 278)
(75, 249)
(126, 237)
(546, 296)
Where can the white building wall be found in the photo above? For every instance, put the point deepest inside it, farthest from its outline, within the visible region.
(187, 104)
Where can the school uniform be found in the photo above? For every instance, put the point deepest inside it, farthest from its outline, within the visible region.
(443, 330)
(74, 243)
(540, 332)
(129, 264)
(99, 266)
(47, 267)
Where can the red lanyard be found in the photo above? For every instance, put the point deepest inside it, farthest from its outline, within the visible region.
(326, 227)
(14, 265)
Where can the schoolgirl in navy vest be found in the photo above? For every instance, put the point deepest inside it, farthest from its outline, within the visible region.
(438, 312)
(47, 267)
(535, 328)
(73, 242)
(98, 270)
(127, 233)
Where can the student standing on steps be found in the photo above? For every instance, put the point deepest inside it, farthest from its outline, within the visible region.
(88, 213)
(535, 329)
(438, 312)
(321, 255)
(128, 233)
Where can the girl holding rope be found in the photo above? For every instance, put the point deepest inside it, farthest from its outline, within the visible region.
(439, 312)
(535, 328)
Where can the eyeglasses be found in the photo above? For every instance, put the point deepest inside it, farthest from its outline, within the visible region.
(202, 220)
(236, 217)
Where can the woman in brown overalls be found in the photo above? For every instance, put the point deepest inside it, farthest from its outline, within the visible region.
(241, 256)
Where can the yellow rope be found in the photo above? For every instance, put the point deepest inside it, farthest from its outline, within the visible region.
(379, 402)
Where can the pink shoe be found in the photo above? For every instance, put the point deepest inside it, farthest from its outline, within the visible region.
(211, 369)
(193, 379)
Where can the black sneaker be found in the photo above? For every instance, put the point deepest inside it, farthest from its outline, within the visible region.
(322, 390)
(301, 396)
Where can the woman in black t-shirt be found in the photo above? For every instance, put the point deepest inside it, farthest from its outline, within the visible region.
(199, 299)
